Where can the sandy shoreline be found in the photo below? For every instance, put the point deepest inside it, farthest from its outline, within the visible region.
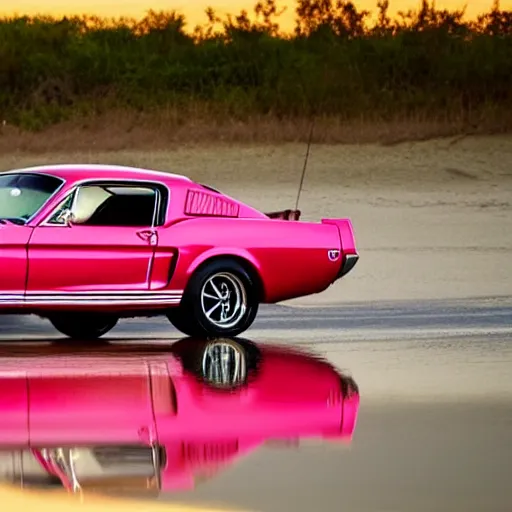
(432, 219)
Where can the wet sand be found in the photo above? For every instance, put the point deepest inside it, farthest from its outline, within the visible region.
(434, 433)
(435, 425)
(404, 458)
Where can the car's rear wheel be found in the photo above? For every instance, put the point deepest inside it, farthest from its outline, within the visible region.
(83, 326)
(223, 363)
(221, 299)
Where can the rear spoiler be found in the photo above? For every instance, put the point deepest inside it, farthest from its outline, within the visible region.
(285, 214)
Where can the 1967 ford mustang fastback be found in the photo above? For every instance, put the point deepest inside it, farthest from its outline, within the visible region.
(84, 245)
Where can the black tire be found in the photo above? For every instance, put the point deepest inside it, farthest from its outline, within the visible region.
(190, 318)
(83, 326)
(182, 321)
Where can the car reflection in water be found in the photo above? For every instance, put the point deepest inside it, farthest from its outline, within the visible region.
(151, 418)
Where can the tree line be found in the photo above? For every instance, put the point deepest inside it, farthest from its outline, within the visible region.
(428, 62)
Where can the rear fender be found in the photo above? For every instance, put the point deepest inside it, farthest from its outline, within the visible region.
(244, 257)
(234, 252)
(293, 259)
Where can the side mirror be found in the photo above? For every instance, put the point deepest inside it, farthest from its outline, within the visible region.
(67, 217)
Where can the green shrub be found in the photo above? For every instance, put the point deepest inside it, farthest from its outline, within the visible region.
(427, 62)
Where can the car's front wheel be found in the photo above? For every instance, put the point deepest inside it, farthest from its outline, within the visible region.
(221, 299)
(83, 326)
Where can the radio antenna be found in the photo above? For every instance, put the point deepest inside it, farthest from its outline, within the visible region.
(310, 138)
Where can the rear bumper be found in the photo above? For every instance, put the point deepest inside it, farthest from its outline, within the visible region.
(348, 263)
(349, 417)
(351, 400)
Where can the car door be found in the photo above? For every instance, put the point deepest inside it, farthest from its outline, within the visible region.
(80, 400)
(21, 196)
(109, 244)
(13, 262)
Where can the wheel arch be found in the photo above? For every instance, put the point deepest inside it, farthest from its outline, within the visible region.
(248, 265)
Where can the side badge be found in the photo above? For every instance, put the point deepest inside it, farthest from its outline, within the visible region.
(333, 254)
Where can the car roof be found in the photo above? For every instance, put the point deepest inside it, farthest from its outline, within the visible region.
(80, 172)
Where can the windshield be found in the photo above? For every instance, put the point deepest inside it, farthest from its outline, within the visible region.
(22, 195)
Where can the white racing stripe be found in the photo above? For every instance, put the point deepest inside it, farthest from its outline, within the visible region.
(107, 298)
(130, 294)
(105, 302)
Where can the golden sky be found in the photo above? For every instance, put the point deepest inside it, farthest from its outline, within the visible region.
(194, 9)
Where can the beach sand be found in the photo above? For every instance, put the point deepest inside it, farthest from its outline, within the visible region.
(432, 219)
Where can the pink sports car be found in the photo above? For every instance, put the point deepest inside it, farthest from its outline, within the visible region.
(85, 245)
(149, 418)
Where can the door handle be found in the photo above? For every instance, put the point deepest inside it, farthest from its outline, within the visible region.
(149, 235)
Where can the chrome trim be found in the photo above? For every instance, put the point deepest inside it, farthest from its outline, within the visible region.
(156, 207)
(223, 364)
(101, 297)
(80, 468)
(229, 314)
(157, 464)
(76, 192)
(92, 298)
(104, 303)
(349, 262)
(45, 222)
(62, 460)
(107, 292)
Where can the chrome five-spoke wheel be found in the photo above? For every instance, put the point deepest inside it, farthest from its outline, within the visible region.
(223, 299)
(223, 364)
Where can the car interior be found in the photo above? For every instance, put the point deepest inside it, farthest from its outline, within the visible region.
(115, 206)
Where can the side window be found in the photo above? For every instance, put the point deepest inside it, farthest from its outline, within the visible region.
(115, 205)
